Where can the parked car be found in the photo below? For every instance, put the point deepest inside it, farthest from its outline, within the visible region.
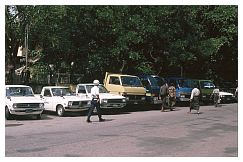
(183, 87)
(20, 100)
(226, 97)
(61, 99)
(152, 84)
(128, 86)
(107, 100)
(206, 88)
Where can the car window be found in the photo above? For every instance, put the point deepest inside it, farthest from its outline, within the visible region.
(102, 89)
(157, 81)
(19, 91)
(114, 80)
(207, 84)
(62, 92)
(81, 89)
(47, 93)
(131, 81)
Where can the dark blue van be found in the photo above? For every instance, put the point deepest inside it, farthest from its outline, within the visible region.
(183, 87)
(152, 83)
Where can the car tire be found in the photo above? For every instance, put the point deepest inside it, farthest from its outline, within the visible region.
(38, 116)
(60, 110)
(8, 115)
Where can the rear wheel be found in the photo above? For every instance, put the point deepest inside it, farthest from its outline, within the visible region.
(8, 115)
(60, 110)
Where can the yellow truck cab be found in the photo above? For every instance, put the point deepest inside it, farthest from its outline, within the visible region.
(128, 86)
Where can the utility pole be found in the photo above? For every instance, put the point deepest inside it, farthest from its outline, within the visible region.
(181, 71)
(27, 73)
(26, 45)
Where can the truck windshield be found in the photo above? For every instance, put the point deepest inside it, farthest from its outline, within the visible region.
(207, 84)
(102, 89)
(62, 92)
(19, 91)
(186, 83)
(156, 81)
(131, 81)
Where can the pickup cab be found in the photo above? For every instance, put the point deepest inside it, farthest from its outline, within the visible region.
(61, 99)
(107, 100)
(206, 88)
(20, 100)
(128, 86)
(152, 83)
(183, 87)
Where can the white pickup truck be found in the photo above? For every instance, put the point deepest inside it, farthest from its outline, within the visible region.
(60, 99)
(107, 100)
(20, 100)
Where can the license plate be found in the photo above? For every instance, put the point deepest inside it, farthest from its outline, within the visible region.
(28, 110)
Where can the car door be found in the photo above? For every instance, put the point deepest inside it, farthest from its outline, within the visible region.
(82, 93)
(48, 100)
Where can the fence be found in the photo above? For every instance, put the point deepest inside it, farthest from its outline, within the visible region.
(44, 78)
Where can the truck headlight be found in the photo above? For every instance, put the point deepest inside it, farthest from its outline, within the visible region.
(70, 103)
(127, 98)
(89, 103)
(123, 100)
(104, 101)
(14, 105)
(183, 96)
(142, 98)
(41, 105)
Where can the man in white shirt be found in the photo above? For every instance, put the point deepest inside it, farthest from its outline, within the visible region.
(216, 96)
(194, 100)
(95, 103)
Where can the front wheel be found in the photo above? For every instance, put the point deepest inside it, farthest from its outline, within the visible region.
(38, 116)
(8, 115)
(60, 110)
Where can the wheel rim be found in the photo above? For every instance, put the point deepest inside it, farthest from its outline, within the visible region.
(59, 111)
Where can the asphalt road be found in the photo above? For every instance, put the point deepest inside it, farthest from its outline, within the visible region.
(212, 133)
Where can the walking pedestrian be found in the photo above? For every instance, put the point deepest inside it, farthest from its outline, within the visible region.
(194, 100)
(215, 95)
(95, 103)
(171, 96)
(163, 94)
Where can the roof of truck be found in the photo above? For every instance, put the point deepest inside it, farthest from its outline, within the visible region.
(16, 86)
(123, 75)
(55, 87)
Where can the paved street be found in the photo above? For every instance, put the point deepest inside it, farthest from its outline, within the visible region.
(130, 133)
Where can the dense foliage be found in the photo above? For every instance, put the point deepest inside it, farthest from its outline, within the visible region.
(193, 41)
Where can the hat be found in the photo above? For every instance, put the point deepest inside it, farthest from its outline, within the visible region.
(96, 82)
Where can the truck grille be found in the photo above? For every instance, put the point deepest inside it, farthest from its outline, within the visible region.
(80, 103)
(28, 105)
(114, 100)
(134, 97)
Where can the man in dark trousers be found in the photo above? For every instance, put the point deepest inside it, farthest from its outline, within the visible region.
(95, 103)
(163, 94)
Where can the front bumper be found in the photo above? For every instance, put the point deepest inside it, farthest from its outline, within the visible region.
(112, 105)
(75, 108)
(226, 99)
(153, 100)
(26, 111)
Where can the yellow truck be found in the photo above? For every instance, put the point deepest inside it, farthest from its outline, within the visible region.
(128, 86)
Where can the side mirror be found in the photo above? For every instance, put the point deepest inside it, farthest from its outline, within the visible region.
(8, 97)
